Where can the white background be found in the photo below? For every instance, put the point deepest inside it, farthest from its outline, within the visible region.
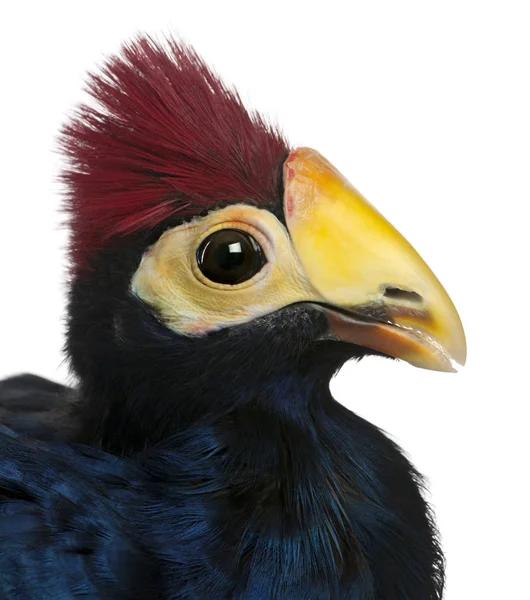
(425, 107)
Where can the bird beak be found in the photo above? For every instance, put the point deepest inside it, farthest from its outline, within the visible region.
(378, 291)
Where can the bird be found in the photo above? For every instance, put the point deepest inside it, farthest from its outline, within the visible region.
(219, 279)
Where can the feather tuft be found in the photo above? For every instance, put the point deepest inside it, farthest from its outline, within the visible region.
(163, 137)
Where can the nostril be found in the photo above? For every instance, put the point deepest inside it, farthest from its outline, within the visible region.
(395, 293)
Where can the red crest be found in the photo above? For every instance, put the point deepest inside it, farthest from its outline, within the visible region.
(164, 137)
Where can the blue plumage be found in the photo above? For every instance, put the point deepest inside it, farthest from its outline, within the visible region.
(322, 506)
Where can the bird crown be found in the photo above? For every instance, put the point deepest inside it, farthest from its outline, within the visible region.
(165, 136)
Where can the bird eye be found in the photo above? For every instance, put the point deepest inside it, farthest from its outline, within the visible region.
(230, 256)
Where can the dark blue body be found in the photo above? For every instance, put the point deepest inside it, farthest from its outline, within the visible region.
(307, 504)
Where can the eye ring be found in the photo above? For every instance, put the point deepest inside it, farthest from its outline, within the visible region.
(230, 256)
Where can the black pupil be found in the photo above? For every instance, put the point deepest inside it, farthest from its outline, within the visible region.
(230, 256)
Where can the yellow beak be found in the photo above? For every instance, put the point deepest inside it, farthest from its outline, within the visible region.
(380, 292)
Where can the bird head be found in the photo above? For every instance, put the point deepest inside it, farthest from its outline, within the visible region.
(210, 260)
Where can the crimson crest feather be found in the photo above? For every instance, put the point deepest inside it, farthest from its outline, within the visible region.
(166, 137)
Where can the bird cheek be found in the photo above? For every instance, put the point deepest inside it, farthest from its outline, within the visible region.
(169, 281)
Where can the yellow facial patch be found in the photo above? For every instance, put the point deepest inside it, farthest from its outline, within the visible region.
(169, 279)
